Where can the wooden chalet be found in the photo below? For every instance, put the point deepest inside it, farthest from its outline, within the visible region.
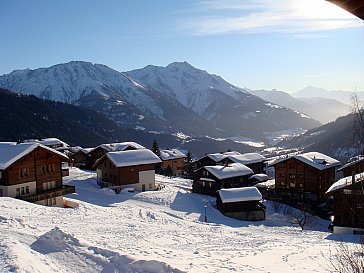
(32, 172)
(348, 204)
(50, 142)
(127, 169)
(254, 161)
(304, 178)
(213, 159)
(174, 160)
(355, 166)
(82, 159)
(241, 203)
(102, 149)
(209, 179)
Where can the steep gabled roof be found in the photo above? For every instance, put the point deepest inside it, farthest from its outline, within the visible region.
(344, 182)
(48, 141)
(217, 157)
(171, 154)
(120, 146)
(314, 159)
(240, 194)
(248, 158)
(232, 170)
(349, 164)
(131, 158)
(10, 152)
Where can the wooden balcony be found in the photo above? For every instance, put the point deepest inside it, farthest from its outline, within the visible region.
(66, 189)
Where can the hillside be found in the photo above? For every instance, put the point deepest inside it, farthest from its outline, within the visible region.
(336, 139)
(23, 117)
(322, 109)
(159, 231)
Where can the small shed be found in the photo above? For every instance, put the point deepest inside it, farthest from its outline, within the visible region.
(241, 203)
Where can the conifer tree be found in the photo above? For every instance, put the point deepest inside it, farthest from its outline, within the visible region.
(155, 148)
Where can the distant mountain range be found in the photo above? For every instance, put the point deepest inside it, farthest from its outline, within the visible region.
(320, 108)
(342, 96)
(174, 99)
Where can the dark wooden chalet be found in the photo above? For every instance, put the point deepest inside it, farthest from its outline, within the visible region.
(82, 159)
(348, 204)
(213, 159)
(32, 172)
(127, 169)
(102, 149)
(241, 203)
(209, 179)
(254, 161)
(304, 178)
(353, 167)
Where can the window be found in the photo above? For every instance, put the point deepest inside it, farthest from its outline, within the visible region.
(203, 183)
(1, 192)
(301, 185)
(150, 186)
(17, 192)
(281, 174)
(26, 189)
(43, 169)
(291, 166)
(22, 191)
(347, 191)
(54, 201)
(359, 206)
(292, 176)
(282, 183)
(1, 175)
(292, 185)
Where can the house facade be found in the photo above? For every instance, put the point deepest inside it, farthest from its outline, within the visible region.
(304, 179)
(127, 169)
(209, 179)
(33, 172)
(241, 203)
(348, 204)
(354, 167)
(174, 161)
(214, 159)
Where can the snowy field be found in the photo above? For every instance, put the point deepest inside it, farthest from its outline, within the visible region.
(160, 231)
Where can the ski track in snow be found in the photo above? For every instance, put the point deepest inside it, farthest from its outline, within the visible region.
(159, 231)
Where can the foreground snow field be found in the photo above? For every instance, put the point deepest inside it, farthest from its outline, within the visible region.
(159, 231)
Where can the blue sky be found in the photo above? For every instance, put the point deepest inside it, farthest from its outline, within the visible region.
(257, 44)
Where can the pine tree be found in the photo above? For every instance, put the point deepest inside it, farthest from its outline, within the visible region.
(188, 166)
(155, 148)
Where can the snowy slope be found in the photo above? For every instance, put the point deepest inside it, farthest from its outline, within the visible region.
(74, 80)
(159, 231)
(192, 87)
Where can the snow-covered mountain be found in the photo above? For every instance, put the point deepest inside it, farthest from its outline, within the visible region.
(229, 108)
(176, 98)
(322, 109)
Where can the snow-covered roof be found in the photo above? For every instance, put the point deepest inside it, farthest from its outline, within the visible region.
(121, 146)
(10, 152)
(315, 159)
(133, 157)
(171, 154)
(232, 170)
(260, 177)
(248, 158)
(220, 156)
(266, 184)
(343, 182)
(51, 141)
(353, 162)
(240, 194)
